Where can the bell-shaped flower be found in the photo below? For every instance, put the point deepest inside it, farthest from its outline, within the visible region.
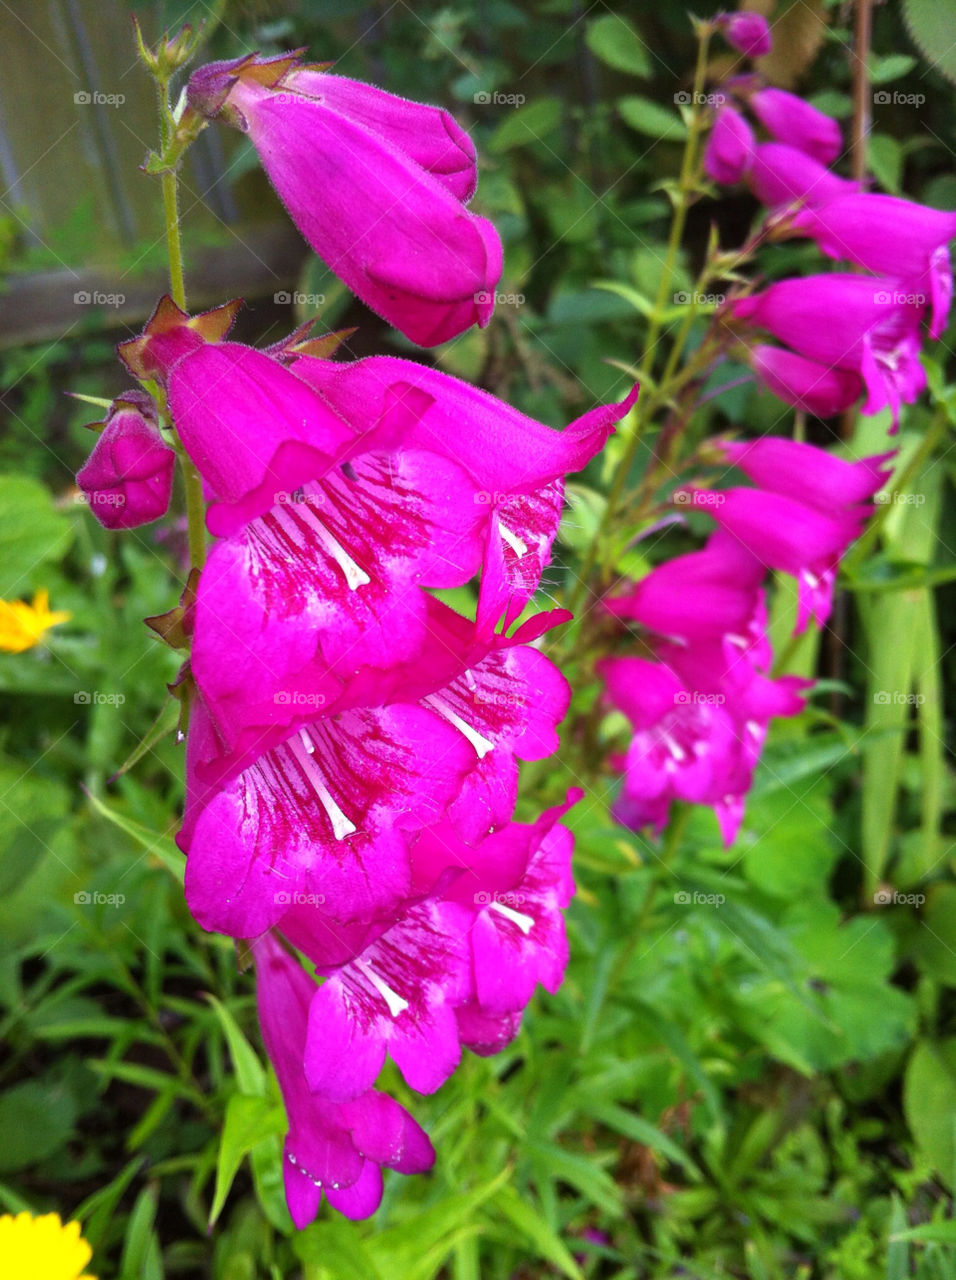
(376, 185)
(893, 237)
(128, 478)
(331, 1148)
(819, 389)
(862, 323)
(810, 507)
(516, 464)
(792, 120)
(730, 147)
(698, 595)
(779, 174)
(325, 815)
(397, 996)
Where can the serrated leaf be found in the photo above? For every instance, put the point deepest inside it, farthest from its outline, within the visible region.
(614, 40)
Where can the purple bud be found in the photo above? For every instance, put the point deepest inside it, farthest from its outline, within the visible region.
(128, 478)
(747, 32)
(794, 121)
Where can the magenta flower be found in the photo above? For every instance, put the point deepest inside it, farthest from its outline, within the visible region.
(780, 174)
(861, 323)
(893, 237)
(730, 147)
(810, 507)
(746, 32)
(327, 814)
(795, 122)
(375, 184)
(698, 595)
(516, 464)
(815, 388)
(700, 717)
(331, 1149)
(398, 996)
(128, 478)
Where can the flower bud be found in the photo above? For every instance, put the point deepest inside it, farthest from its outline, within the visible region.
(128, 478)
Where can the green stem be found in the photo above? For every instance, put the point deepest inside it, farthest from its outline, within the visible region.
(195, 505)
(642, 413)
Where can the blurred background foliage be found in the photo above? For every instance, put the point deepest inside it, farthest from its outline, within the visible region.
(751, 1068)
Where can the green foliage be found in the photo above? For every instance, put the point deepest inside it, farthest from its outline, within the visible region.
(751, 1068)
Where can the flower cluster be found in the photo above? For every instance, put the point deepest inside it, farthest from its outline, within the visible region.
(700, 703)
(353, 744)
(844, 336)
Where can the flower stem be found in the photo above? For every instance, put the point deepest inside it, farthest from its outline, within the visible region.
(195, 504)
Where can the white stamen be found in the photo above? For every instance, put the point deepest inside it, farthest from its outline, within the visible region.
(677, 752)
(524, 923)
(307, 742)
(341, 826)
(396, 1004)
(512, 539)
(481, 744)
(354, 576)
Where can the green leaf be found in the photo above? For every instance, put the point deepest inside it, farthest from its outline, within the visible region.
(615, 41)
(526, 124)
(931, 24)
(929, 1103)
(32, 532)
(651, 118)
(161, 847)
(248, 1122)
(884, 156)
(250, 1073)
(36, 1119)
(892, 67)
(164, 724)
(549, 1246)
(334, 1251)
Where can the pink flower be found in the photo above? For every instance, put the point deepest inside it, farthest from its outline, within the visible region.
(810, 507)
(698, 595)
(128, 478)
(747, 32)
(730, 147)
(806, 384)
(700, 716)
(780, 174)
(375, 184)
(795, 122)
(894, 237)
(331, 1149)
(861, 323)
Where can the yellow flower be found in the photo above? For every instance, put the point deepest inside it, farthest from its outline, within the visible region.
(23, 625)
(42, 1248)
